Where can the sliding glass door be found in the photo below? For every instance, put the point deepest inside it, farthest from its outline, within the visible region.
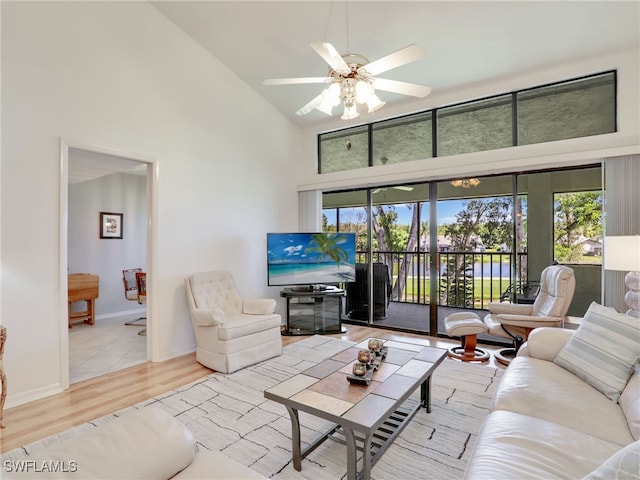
(427, 250)
(476, 257)
(391, 288)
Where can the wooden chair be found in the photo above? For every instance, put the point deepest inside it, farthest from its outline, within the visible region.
(132, 292)
(141, 284)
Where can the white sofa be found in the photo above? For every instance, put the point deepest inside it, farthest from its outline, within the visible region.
(547, 423)
(145, 444)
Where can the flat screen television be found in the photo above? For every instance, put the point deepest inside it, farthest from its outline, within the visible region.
(311, 259)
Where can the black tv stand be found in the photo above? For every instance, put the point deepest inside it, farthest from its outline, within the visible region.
(312, 311)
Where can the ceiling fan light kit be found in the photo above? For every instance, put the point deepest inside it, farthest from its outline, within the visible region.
(466, 183)
(352, 80)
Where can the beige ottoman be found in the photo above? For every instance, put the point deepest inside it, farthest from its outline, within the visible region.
(467, 326)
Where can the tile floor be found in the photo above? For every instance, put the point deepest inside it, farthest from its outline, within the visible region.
(105, 347)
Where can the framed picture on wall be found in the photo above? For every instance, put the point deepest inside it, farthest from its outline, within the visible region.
(110, 225)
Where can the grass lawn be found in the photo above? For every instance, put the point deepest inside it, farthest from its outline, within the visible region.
(485, 291)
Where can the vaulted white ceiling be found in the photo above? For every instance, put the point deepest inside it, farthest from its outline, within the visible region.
(466, 41)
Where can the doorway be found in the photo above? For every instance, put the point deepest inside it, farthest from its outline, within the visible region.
(98, 183)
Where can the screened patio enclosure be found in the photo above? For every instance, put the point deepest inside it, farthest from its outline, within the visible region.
(428, 249)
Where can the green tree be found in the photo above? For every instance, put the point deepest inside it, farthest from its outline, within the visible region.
(355, 220)
(576, 214)
(328, 245)
(325, 225)
(487, 219)
(392, 237)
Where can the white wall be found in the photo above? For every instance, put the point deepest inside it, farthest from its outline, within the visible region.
(119, 75)
(88, 253)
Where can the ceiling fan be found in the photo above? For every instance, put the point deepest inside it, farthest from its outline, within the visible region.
(403, 188)
(353, 80)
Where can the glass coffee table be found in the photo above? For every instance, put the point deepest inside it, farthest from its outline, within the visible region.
(366, 418)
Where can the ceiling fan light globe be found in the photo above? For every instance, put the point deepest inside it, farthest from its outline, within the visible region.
(335, 89)
(364, 91)
(374, 103)
(330, 98)
(350, 113)
(325, 108)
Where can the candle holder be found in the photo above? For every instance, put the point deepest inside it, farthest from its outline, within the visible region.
(367, 362)
(359, 369)
(365, 356)
(375, 345)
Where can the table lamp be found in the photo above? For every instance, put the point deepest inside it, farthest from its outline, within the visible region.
(623, 254)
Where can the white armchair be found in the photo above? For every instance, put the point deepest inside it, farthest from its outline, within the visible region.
(231, 333)
(515, 321)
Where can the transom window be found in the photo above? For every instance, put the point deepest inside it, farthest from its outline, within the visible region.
(571, 109)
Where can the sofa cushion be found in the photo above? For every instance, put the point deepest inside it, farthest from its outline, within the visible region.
(544, 343)
(242, 325)
(622, 465)
(542, 389)
(208, 465)
(630, 403)
(515, 446)
(147, 443)
(259, 306)
(212, 290)
(604, 350)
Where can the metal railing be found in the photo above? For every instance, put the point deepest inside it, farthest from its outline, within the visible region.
(465, 279)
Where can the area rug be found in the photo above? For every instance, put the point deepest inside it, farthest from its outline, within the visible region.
(229, 413)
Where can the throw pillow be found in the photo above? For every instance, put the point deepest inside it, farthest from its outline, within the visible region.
(622, 465)
(603, 350)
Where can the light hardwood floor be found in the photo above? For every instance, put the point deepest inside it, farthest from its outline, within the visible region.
(93, 398)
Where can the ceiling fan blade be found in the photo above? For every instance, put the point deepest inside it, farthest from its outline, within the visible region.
(331, 56)
(404, 88)
(404, 188)
(310, 106)
(396, 59)
(292, 81)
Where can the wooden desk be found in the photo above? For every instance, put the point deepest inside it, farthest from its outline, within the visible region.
(83, 287)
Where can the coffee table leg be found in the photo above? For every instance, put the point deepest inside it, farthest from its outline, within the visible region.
(425, 394)
(295, 438)
(366, 458)
(352, 454)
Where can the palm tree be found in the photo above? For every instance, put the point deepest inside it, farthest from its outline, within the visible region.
(327, 245)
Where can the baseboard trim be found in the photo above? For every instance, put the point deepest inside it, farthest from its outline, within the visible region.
(32, 395)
